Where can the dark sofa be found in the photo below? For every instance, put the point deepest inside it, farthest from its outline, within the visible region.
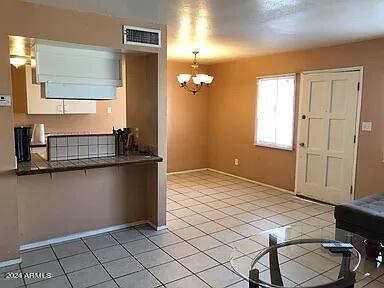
(364, 217)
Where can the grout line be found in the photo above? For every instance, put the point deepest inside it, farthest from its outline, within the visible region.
(89, 250)
(198, 251)
(253, 181)
(25, 283)
(58, 260)
(177, 260)
(234, 215)
(263, 198)
(244, 222)
(103, 282)
(85, 243)
(145, 268)
(291, 209)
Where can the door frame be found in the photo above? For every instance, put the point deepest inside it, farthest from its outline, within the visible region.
(359, 69)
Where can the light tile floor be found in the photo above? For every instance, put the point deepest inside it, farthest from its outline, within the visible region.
(207, 214)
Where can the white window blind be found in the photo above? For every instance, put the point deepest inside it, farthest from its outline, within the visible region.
(275, 109)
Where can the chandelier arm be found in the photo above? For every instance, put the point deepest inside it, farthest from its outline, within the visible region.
(198, 87)
(194, 91)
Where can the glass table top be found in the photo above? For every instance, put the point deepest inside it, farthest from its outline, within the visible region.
(293, 256)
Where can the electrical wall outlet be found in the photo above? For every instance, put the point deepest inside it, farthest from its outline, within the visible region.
(236, 161)
(109, 110)
(366, 126)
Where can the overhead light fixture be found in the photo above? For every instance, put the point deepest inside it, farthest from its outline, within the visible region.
(199, 80)
(18, 61)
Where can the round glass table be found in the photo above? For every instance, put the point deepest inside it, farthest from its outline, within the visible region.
(293, 256)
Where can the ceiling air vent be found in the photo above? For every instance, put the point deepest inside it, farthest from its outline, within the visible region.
(141, 36)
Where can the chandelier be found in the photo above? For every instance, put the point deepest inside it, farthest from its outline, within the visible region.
(199, 80)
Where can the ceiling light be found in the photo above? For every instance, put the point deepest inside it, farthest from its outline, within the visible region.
(199, 80)
(17, 61)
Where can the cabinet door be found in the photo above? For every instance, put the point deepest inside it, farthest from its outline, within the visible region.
(36, 104)
(79, 106)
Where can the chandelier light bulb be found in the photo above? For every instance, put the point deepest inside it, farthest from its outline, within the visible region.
(182, 78)
(209, 79)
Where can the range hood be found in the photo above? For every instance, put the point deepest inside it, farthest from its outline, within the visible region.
(69, 71)
(52, 90)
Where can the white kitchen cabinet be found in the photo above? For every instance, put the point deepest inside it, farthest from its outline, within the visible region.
(35, 103)
(79, 106)
(38, 105)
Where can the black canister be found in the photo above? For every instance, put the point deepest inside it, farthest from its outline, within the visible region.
(123, 137)
(22, 143)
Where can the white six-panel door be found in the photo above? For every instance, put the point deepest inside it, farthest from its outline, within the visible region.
(326, 136)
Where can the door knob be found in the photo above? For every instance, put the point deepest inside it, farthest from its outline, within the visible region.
(302, 144)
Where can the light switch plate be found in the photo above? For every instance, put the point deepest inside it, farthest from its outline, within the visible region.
(5, 100)
(366, 126)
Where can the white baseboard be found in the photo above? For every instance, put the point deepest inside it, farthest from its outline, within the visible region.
(10, 262)
(162, 227)
(157, 228)
(313, 201)
(252, 181)
(82, 234)
(187, 171)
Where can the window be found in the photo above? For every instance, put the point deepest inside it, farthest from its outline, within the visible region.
(275, 108)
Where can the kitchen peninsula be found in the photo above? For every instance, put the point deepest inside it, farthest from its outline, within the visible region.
(82, 152)
(53, 201)
(39, 165)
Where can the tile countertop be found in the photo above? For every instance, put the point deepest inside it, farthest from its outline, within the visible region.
(39, 165)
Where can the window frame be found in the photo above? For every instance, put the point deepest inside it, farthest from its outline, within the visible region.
(268, 144)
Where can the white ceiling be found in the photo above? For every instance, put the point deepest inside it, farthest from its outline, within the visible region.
(229, 29)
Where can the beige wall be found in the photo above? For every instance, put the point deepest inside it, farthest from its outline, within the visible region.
(73, 202)
(35, 21)
(100, 122)
(143, 74)
(187, 123)
(9, 223)
(141, 106)
(232, 112)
